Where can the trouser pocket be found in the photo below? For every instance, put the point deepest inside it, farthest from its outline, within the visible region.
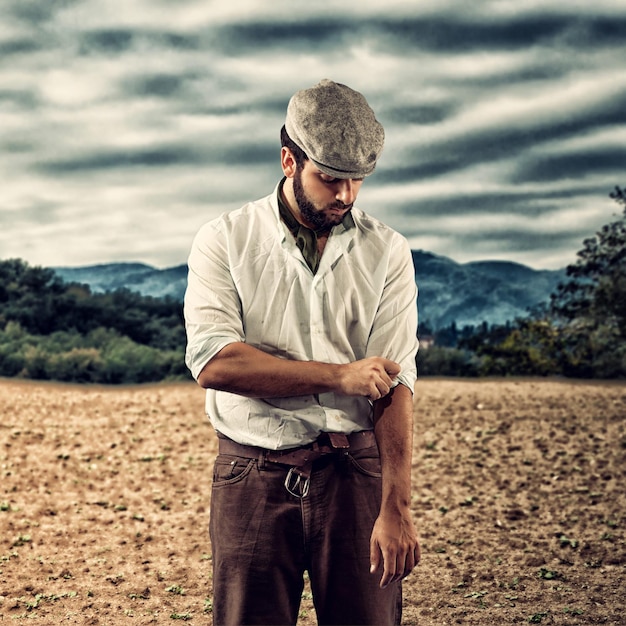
(229, 469)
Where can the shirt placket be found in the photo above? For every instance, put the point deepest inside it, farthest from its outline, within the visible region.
(318, 321)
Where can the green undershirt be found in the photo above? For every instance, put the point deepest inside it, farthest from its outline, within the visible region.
(306, 238)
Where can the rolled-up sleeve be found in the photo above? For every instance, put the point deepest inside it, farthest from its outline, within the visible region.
(212, 305)
(394, 332)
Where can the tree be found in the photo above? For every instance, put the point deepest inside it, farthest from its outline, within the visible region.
(590, 307)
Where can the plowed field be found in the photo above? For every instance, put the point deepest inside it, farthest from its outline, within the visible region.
(519, 493)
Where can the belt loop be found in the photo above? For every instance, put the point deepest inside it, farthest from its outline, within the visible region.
(261, 460)
(339, 441)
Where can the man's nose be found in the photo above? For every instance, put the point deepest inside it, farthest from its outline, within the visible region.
(346, 192)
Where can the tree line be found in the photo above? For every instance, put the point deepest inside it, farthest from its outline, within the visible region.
(53, 330)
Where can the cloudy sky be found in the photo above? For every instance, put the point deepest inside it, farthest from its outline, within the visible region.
(126, 124)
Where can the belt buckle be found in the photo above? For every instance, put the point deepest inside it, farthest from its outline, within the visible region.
(297, 484)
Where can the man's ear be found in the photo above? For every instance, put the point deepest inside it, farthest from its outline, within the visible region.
(288, 162)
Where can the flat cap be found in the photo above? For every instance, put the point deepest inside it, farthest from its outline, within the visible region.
(336, 128)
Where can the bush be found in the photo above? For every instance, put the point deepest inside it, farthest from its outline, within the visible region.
(102, 356)
(79, 365)
(442, 361)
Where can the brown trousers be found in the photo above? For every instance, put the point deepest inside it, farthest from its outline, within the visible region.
(264, 539)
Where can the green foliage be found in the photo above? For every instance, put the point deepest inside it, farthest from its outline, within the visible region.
(528, 349)
(101, 356)
(443, 361)
(51, 330)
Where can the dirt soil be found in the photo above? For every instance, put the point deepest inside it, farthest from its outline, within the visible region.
(519, 494)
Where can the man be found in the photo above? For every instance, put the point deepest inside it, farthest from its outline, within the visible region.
(301, 319)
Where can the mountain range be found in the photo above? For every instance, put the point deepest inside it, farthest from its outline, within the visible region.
(449, 292)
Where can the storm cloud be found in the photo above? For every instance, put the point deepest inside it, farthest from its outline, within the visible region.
(125, 125)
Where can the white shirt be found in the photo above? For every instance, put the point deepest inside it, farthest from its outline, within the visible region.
(249, 282)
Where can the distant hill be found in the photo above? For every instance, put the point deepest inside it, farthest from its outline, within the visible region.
(470, 293)
(465, 293)
(144, 279)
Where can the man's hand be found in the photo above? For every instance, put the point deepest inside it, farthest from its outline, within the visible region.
(372, 377)
(394, 547)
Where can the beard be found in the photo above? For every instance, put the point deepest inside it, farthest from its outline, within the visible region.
(321, 222)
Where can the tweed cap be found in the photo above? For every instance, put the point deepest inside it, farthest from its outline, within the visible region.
(336, 128)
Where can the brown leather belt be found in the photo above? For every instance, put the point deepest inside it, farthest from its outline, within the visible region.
(326, 443)
(300, 460)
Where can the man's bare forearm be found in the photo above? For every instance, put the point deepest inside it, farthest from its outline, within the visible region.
(394, 545)
(393, 426)
(245, 370)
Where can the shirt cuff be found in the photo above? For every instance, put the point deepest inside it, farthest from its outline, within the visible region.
(197, 357)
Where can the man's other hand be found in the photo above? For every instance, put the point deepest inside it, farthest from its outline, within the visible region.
(371, 377)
